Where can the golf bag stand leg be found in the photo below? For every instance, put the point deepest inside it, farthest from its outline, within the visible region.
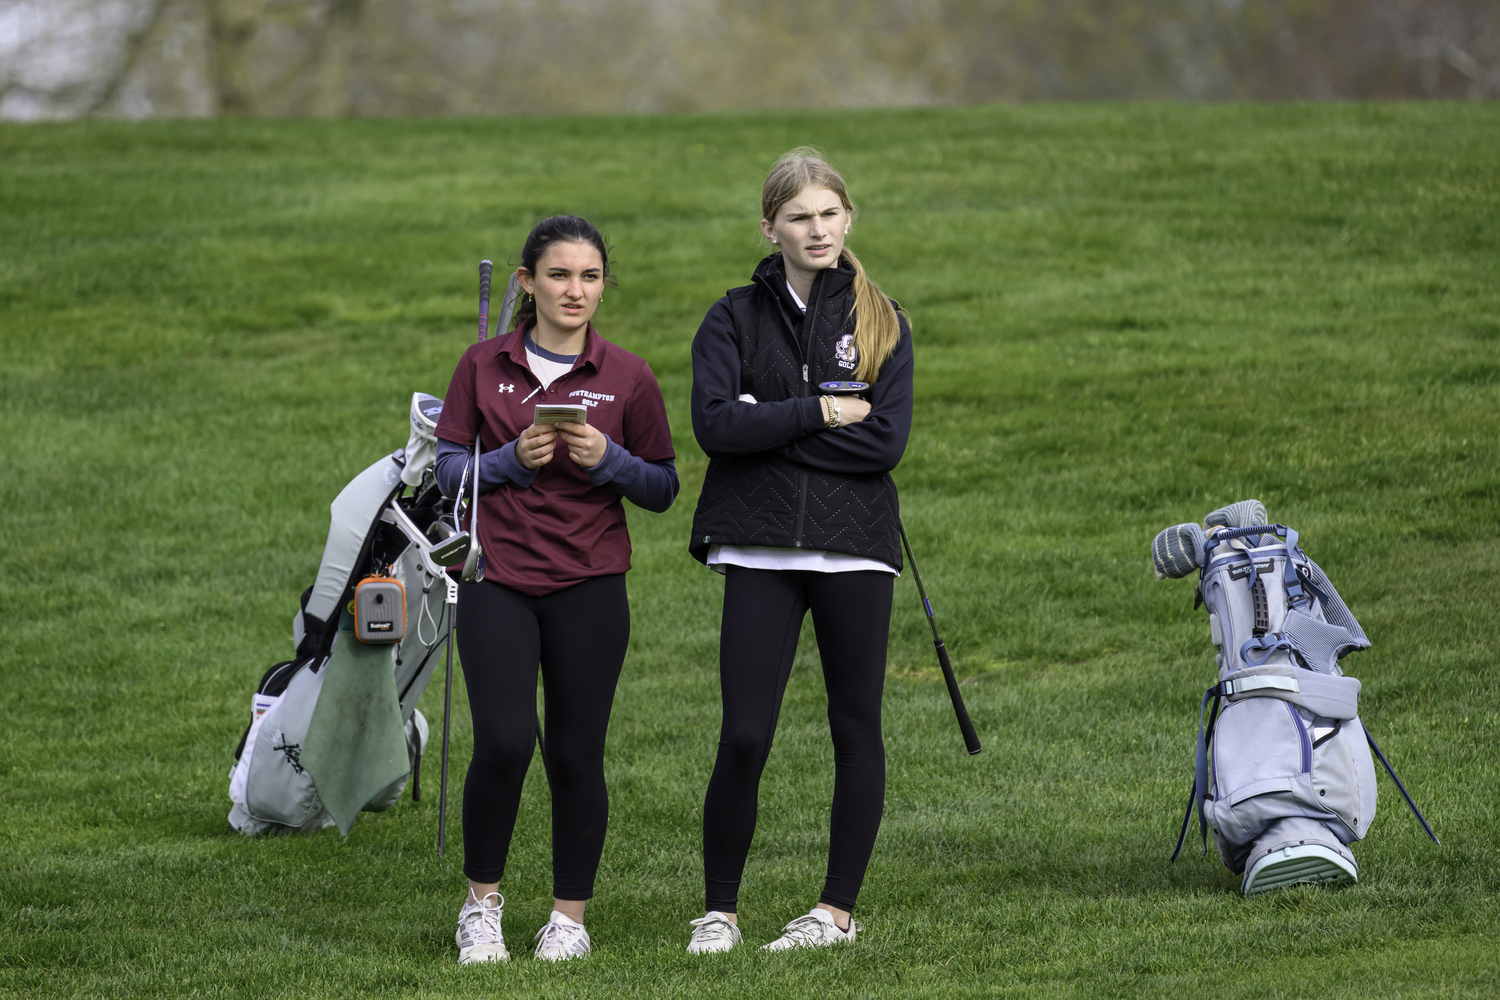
(452, 605)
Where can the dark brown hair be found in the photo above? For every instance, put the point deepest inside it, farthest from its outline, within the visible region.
(557, 229)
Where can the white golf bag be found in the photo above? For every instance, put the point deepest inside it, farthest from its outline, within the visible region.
(375, 525)
(1283, 774)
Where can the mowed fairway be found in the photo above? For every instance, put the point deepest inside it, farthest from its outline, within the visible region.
(1125, 316)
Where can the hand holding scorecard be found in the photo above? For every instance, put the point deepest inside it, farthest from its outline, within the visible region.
(553, 413)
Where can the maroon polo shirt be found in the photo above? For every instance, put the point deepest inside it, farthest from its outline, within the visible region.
(562, 529)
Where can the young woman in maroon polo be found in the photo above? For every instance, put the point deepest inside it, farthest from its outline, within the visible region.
(556, 550)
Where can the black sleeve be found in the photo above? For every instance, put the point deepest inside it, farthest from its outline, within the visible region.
(723, 425)
(876, 443)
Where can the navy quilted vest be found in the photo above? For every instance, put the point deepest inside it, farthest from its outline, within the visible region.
(765, 499)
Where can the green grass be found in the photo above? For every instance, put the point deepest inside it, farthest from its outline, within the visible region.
(1125, 316)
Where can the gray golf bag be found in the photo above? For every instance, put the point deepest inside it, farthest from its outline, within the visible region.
(308, 761)
(1283, 774)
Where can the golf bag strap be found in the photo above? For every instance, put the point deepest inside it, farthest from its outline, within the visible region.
(1307, 582)
(1267, 644)
(1296, 594)
(1401, 788)
(1244, 685)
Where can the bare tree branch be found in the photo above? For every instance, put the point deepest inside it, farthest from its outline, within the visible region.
(135, 44)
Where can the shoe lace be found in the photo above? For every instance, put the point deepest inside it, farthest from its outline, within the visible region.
(557, 935)
(709, 928)
(804, 928)
(484, 921)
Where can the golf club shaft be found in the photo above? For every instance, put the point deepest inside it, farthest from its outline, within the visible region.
(486, 269)
(447, 712)
(473, 567)
(971, 739)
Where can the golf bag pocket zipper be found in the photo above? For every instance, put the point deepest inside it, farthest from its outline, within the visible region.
(1304, 740)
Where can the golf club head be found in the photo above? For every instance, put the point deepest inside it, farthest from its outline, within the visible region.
(451, 550)
(449, 545)
(473, 563)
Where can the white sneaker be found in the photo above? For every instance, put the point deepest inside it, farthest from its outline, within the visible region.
(816, 930)
(561, 939)
(713, 932)
(479, 938)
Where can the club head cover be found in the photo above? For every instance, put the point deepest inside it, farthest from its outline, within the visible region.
(1177, 551)
(1243, 514)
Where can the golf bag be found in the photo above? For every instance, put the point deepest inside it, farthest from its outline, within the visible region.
(1283, 774)
(278, 782)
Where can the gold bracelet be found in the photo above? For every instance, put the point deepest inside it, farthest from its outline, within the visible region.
(833, 411)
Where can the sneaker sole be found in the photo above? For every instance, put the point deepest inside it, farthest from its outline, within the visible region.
(710, 949)
(835, 943)
(1316, 865)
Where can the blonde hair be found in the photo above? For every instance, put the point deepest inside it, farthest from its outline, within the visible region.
(876, 328)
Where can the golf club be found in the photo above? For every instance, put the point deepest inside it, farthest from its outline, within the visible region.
(473, 570)
(473, 565)
(470, 572)
(452, 605)
(474, 562)
(971, 739)
(450, 546)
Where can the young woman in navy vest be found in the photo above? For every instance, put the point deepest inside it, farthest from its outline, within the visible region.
(799, 512)
(556, 550)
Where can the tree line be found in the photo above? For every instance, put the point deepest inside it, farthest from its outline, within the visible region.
(174, 58)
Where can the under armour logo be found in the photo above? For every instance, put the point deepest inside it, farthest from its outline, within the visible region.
(507, 387)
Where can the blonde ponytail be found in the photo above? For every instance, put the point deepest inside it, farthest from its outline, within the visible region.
(876, 327)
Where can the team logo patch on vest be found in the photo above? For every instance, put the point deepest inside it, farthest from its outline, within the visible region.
(846, 352)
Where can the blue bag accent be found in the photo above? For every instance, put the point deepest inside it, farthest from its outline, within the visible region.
(1199, 794)
(1268, 643)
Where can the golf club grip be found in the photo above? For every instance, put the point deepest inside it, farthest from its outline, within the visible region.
(971, 738)
(486, 268)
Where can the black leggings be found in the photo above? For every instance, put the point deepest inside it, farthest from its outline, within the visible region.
(763, 612)
(579, 635)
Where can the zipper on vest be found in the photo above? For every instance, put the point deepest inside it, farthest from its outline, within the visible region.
(809, 330)
(801, 508)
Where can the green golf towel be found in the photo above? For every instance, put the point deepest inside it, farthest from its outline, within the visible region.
(355, 743)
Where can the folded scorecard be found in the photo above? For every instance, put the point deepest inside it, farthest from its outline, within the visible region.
(552, 413)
